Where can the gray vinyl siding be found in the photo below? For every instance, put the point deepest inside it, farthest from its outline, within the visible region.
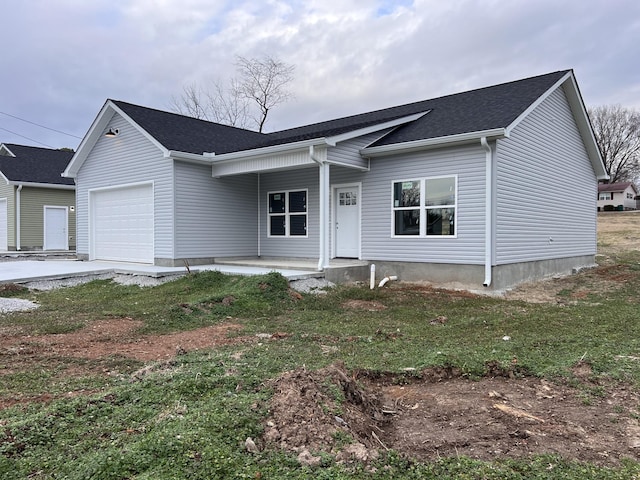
(215, 217)
(546, 189)
(468, 163)
(32, 202)
(294, 247)
(348, 152)
(7, 191)
(128, 158)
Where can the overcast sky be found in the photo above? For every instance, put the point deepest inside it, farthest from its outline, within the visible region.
(61, 59)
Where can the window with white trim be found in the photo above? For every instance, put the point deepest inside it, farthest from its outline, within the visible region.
(287, 213)
(604, 196)
(425, 207)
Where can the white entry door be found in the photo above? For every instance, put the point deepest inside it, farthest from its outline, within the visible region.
(347, 222)
(56, 221)
(3, 225)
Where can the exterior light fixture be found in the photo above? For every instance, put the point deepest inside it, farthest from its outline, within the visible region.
(112, 133)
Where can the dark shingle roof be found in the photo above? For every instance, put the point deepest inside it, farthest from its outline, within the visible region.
(35, 164)
(615, 187)
(476, 110)
(187, 134)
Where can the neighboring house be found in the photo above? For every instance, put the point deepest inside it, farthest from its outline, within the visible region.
(620, 196)
(461, 188)
(37, 204)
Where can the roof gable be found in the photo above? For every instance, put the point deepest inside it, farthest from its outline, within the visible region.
(26, 164)
(616, 187)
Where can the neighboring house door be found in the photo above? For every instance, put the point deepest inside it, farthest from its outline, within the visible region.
(347, 222)
(3, 225)
(121, 224)
(56, 221)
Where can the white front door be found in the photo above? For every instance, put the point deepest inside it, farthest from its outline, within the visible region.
(347, 222)
(3, 225)
(56, 221)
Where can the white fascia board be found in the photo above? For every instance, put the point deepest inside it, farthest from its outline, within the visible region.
(146, 134)
(584, 126)
(5, 178)
(211, 158)
(54, 186)
(332, 141)
(6, 149)
(572, 92)
(188, 157)
(431, 142)
(102, 120)
(265, 151)
(535, 104)
(89, 140)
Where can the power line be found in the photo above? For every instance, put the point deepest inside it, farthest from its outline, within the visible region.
(41, 126)
(32, 139)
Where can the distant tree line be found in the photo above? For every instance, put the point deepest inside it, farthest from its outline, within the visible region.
(617, 131)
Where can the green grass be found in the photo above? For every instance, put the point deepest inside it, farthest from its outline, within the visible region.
(187, 419)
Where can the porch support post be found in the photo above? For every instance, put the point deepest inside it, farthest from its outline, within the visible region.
(323, 230)
(325, 194)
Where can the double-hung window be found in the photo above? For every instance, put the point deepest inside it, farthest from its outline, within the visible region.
(287, 213)
(605, 196)
(425, 207)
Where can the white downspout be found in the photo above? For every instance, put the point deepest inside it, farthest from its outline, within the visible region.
(324, 208)
(18, 247)
(488, 241)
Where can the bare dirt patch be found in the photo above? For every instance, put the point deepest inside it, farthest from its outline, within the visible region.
(441, 414)
(365, 305)
(111, 337)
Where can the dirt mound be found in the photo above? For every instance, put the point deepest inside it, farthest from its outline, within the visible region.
(323, 411)
(437, 414)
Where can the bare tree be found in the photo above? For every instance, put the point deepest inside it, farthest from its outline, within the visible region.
(191, 103)
(264, 81)
(617, 131)
(261, 84)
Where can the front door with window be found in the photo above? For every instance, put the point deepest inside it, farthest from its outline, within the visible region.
(347, 222)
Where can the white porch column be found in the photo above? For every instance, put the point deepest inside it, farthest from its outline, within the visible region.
(325, 195)
(323, 221)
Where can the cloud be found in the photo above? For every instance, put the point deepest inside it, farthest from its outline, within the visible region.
(63, 59)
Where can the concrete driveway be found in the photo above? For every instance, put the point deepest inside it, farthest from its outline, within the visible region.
(20, 271)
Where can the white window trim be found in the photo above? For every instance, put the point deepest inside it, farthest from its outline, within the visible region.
(287, 214)
(423, 208)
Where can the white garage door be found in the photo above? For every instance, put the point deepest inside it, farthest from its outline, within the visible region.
(3, 224)
(122, 224)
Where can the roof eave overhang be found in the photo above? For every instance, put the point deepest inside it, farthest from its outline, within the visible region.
(211, 158)
(99, 125)
(6, 149)
(429, 143)
(55, 186)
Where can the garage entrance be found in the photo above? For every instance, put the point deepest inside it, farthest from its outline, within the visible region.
(121, 224)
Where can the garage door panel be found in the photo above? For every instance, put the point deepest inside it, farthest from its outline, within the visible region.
(122, 220)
